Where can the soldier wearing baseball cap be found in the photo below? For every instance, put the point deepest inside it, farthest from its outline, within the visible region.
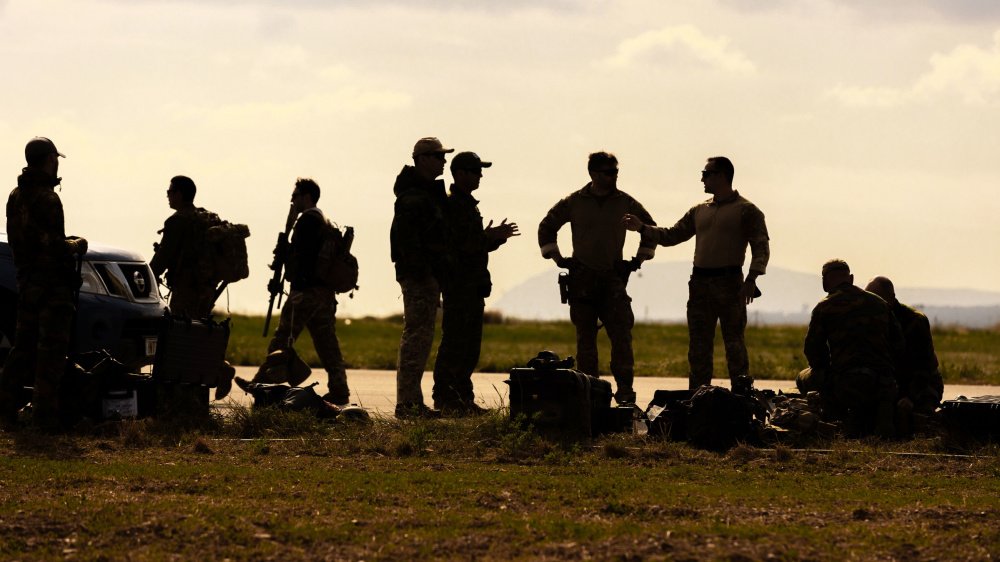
(467, 289)
(47, 279)
(418, 245)
(39, 148)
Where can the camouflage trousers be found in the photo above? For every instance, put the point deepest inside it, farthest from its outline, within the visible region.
(713, 300)
(38, 358)
(864, 399)
(193, 301)
(315, 309)
(458, 353)
(607, 302)
(421, 298)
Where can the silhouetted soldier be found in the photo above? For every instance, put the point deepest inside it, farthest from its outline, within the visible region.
(920, 384)
(47, 279)
(596, 270)
(468, 286)
(310, 303)
(418, 240)
(722, 227)
(852, 346)
(179, 256)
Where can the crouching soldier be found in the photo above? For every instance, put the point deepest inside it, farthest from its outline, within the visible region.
(852, 346)
(920, 384)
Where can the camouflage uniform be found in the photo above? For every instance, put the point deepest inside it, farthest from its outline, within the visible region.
(852, 345)
(311, 305)
(918, 375)
(723, 228)
(418, 241)
(462, 321)
(597, 284)
(178, 254)
(46, 281)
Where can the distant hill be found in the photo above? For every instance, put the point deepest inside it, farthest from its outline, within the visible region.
(659, 294)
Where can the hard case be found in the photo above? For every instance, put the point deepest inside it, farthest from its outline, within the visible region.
(976, 417)
(190, 351)
(563, 399)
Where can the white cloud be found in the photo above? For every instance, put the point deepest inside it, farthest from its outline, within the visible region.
(969, 72)
(344, 102)
(683, 40)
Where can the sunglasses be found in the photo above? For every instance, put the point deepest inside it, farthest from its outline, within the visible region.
(610, 172)
(707, 173)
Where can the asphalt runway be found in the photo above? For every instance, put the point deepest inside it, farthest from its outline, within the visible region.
(376, 390)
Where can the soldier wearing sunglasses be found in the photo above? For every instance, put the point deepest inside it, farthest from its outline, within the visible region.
(723, 227)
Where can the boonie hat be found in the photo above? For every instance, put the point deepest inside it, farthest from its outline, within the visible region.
(468, 161)
(429, 145)
(40, 146)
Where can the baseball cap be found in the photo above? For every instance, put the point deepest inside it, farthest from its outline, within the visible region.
(40, 146)
(429, 145)
(468, 161)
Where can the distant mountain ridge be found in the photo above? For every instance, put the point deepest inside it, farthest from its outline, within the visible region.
(659, 294)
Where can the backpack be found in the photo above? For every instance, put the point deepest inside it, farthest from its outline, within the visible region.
(224, 248)
(336, 266)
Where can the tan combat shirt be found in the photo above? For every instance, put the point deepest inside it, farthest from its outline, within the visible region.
(722, 231)
(596, 224)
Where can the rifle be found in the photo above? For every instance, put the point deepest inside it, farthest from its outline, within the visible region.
(276, 286)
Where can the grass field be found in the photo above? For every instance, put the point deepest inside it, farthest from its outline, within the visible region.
(966, 356)
(267, 486)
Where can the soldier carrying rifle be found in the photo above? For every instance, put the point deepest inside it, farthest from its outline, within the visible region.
(311, 304)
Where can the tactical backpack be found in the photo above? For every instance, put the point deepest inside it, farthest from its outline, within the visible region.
(336, 266)
(224, 249)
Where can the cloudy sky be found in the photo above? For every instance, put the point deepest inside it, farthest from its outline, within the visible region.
(862, 131)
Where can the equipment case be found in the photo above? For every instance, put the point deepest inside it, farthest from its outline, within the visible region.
(558, 398)
(976, 417)
(190, 351)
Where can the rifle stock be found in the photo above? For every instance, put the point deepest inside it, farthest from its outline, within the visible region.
(276, 286)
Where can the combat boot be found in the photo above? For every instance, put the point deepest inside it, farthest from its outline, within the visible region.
(415, 411)
(225, 381)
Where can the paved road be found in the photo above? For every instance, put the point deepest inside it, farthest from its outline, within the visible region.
(376, 390)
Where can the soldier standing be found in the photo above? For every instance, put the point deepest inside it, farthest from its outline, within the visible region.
(47, 280)
(418, 240)
(178, 255)
(464, 295)
(852, 346)
(723, 227)
(310, 303)
(597, 282)
(920, 384)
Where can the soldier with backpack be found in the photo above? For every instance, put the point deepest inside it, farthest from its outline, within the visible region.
(177, 256)
(199, 254)
(312, 302)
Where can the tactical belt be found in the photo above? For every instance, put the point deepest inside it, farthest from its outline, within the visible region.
(716, 271)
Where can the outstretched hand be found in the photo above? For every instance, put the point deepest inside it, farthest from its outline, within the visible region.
(632, 222)
(502, 231)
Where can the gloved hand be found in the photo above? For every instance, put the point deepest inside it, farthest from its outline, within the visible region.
(77, 245)
(274, 287)
(565, 263)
